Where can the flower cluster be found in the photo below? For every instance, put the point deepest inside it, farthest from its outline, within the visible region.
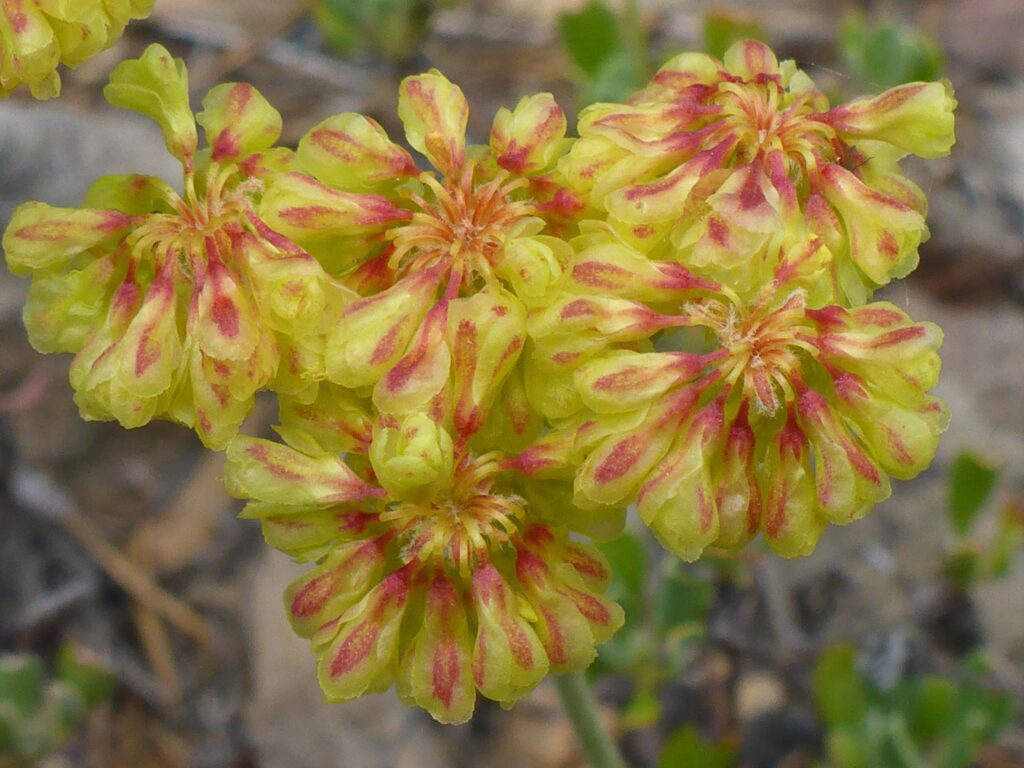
(36, 36)
(481, 360)
(176, 305)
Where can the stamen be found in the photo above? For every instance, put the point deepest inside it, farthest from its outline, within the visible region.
(463, 225)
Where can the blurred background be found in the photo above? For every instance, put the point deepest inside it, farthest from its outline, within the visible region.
(141, 624)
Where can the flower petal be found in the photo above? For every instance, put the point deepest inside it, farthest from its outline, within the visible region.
(792, 523)
(324, 594)
(486, 333)
(678, 500)
(352, 151)
(266, 471)
(436, 669)
(374, 333)
(528, 139)
(40, 236)
(362, 654)
(623, 380)
(238, 121)
(156, 85)
(435, 113)
(413, 382)
(508, 657)
(916, 117)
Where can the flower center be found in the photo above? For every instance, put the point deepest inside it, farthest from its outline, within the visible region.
(765, 119)
(460, 531)
(464, 226)
(199, 228)
(762, 347)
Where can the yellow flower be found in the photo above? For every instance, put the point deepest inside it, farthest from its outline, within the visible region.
(715, 160)
(176, 305)
(431, 574)
(448, 260)
(38, 35)
(792, 418)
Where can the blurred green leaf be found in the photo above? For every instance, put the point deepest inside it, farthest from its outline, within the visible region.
(1009, 540)
(591, 36)
(37, 715)
(963, 567)
(392, 28)
(683, 598)
(686, 748)
(722, 28)
(22, 682)
(888, 54)
(617, 78)
(923, 722)
(839, 689)
(621, 654)
(10, 726)
(971, 482)
(644, 711)
(86, 673)
(932, 707)
(63, 711)
(848, 748)
(607, 49)
(628, 562)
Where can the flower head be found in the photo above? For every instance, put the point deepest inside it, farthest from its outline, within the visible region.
(431, 574)
(469, 243)
(793, 417)
(176, 305)
(36, 37)
(715, 160)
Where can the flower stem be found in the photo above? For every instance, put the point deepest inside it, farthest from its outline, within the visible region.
(579, 704)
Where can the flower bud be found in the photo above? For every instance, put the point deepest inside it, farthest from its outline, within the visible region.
(412, 457)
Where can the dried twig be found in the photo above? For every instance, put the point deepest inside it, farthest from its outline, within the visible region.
(133, 580)
(38, 493)
(174, 540)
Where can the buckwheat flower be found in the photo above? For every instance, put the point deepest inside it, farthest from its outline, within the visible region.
(717, 159)
(792, 418)
(177, 305)
(36, 36)
(417, 244)
(429, 572)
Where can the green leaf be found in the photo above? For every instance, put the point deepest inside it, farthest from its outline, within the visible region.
(930, 708)
(887, 55)
(963, 566)
(683, 599)
(394, 28)
(11, 724)
(971, 482)
(86, 673)
(591, 36)
(63, 712)
(1008, 542)
(722, 28)
(22, 682)
(686, 748)
(628, 563)
(841, 692)
(847, 748)
(644, 711)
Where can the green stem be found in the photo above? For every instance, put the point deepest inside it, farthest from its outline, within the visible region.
(582, 710)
